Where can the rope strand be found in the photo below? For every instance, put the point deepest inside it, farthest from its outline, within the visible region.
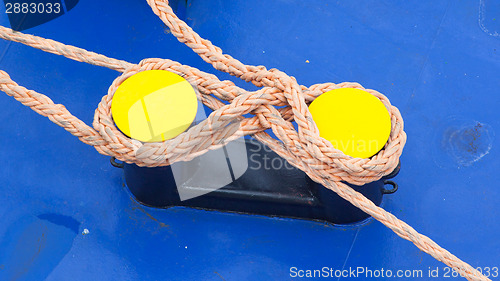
(57, 48)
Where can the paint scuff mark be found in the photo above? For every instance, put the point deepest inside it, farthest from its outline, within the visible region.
(488, 21)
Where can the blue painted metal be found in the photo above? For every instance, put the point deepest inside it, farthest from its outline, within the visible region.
(438, 62)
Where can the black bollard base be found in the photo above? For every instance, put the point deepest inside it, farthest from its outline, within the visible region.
(269, 186)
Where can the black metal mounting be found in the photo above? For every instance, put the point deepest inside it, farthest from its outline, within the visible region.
(392, 190)
(113, 162)
(263, 189)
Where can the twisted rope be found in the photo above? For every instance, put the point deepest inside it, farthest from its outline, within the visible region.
(71, 52)
(302, 148)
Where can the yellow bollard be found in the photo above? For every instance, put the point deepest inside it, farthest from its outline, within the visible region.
(154, 105)
(354, 121)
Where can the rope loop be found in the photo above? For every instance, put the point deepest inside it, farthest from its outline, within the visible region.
(227, 123)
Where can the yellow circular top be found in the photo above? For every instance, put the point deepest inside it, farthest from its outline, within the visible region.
(354, 121)
(154, 105)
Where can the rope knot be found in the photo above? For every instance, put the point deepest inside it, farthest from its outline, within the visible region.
(280, 102)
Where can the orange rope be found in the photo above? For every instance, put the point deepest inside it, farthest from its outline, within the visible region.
(303, 148)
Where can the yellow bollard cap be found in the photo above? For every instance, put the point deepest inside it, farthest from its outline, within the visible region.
(354, 121)
(154, 105)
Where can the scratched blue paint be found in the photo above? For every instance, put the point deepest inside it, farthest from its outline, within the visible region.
(434, 60)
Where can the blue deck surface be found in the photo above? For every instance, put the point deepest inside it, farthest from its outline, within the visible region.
(438, 61)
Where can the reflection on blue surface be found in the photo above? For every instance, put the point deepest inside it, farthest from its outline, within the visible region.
(32, 247)
(25, 14)
(433, 60)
